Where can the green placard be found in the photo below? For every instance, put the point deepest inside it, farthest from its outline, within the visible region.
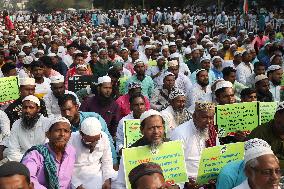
(169, 156)
(9, 89)
(267, 111)
(131, 131)
(236, 117)
(215, 158)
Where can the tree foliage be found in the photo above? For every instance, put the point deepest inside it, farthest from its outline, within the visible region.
(47, 6)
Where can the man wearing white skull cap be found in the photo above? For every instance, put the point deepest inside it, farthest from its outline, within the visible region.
(93, 164)
(275, 74)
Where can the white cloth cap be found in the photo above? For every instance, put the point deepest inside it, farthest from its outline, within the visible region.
(164, 47)
(28, 60)
(148, 47)
(104, 79)
(40, 51)
(138, 61)
(187, 51)
(273, 68)
(172, 63)
(27, 45)
(149, 113)
(259, 78)
(223, 84)
(51, 55)
(255, 148)
(237, 53)
(172, 44)
(174, 55)
(27, 81)
(22, 54)
(91, 126)
(57, 119)
(57, 79)
(205, 58)
(32, 98)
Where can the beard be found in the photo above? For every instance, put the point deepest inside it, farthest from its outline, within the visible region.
(103, 61)
(29, 122)
(203, 83)
(203, 133)
(104, 101)
(182, 115)
(276, 83)
(155, 145)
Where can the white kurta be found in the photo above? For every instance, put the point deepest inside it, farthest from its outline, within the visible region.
(22, 139)
(198, 94)
(244, 72)
(92, 169)
(193, 145)
(120, 132)
(51, 103)
(4, 127)
(275, 90)
(44, 87)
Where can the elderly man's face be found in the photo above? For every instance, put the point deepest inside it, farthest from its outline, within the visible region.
(226, 97)
(266, 174)
(153, 130)
(178, 103)
(203, 119)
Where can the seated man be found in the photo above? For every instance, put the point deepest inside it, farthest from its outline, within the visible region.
(57, 91)
(51, 164)
(273, 133)
(261, 168)
(27, 131)
(248, 95)
(262, 89)
(15, 175)
(93, 166)
(147, 175)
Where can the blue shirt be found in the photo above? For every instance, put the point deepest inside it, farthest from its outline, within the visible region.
(217, 73)
(231, 175)
(83, 116)
(147, 85)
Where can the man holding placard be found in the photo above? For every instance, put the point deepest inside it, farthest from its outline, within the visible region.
(196, 135)
(273, 133)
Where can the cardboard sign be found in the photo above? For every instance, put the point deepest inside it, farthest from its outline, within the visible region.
(215, 158)
(9, 88)
(236, 117)
(169, 156)
(267, 111)
(131, 131)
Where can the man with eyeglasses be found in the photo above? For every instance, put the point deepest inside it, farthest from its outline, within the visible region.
(261, 166)
(93, 165)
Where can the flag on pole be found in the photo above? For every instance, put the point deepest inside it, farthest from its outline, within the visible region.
(245, 7)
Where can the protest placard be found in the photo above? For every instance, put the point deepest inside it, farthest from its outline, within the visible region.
(9, 88)
(215, 158)
(76, 83)
(169, 156)
(131, 131)
(236, 117)
(267, 111)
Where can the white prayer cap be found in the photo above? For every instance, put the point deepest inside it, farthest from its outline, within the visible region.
(212, 48)
(223, 84)
(124, 49)
(255, 148)
(174, 55)
(104, 79)
(260, 77)
(27, 45)
(168, 74)
(32, 98)
(82, 66)
(91, 126)
(160, 57)
(149, 113)
(40, 51)
(138, 61)
(192, 37)
(205, 58)
(22, 54)
(57, 119)
(172, 63)
(77, 51)
(175, 93)
(148, 47)
(27, 81)
(164, 47)
(273, 68)
(57, 79)
(195, 49)
(51, 55)
(28, 60)
(172, 44)
(280, 106)
(216, 57)
(237, 53)
(187, 51)
(101, 50)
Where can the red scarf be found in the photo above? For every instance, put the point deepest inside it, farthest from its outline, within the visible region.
(212, 137)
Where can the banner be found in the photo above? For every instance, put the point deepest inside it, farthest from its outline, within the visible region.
(169, 156)
(131, 131)
(236, 117)
(215, 158)
(267, 111)
(79, 82)
(9, 88)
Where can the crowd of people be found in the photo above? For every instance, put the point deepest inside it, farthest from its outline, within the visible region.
(166, 67)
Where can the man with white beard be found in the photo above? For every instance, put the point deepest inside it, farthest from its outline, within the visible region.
(175, 114)
(196, 135)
